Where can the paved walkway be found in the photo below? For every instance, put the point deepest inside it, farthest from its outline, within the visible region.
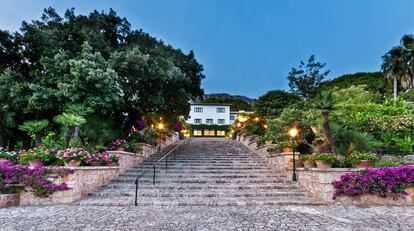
(206, 218)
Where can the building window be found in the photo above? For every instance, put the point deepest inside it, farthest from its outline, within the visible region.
(197, 121)
(221, 133)
(197, 133)
(232, 117)
(209, 133)
(221, 121)
(221, 110)
(198, 109)
(209, 121)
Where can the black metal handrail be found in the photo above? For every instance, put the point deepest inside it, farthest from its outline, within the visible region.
(184, 142)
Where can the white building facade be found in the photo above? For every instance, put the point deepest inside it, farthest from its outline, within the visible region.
(209, 114)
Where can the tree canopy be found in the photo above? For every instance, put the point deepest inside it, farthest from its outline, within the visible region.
(96, 60)
(273, 102)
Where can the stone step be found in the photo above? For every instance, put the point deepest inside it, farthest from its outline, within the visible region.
(168, 175)
(155, 202)
(199, 181)
(230, 194)
(206, 172)
(204, 188)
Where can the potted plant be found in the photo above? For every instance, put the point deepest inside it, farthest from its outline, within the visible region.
(308, 161)
(36, 156)
(298, 163)
(325, 160)
(7, 155)
(363, 159)
(98, 158)
(72, 157)
(119, 145)
(113, 160)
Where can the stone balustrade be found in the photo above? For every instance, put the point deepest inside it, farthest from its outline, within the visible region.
(87, 179)
(8, 200)
(318, 181)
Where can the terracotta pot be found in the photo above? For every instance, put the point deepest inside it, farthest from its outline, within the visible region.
(287, 149)
(364, 164)
(35, 162)
(72, 164)
(322, 164)
(299, 164)
(308, 164)
(95, 163)
(121, 149)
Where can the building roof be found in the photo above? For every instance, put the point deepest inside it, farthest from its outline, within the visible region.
(211, 104)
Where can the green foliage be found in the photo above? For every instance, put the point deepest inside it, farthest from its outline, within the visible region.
(373, 81)
(273, 102)
(356, 157)
(99, 130)
(305, 80)
(388, 163)
(235, 103)
(69, 120)
(347, 141)
(96, 61)
(326, 157)
(34, 129)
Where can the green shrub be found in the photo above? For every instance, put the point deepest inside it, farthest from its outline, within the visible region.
(356, 157)
(326, 157)
(388, 163)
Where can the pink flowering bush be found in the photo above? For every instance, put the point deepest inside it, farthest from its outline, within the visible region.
(41, 153)
(384, 182)
(103, 158)
(72, 155)
(118, 143)
(14, 177)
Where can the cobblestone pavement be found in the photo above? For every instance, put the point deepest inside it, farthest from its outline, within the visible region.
(207, 218)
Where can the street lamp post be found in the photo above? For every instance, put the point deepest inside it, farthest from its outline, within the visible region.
(293, 133)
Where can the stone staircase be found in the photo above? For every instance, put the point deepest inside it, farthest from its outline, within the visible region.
(208, 172)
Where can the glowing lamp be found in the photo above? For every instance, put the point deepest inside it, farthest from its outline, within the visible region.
(160, 126)
(293, 132)
(256, 119)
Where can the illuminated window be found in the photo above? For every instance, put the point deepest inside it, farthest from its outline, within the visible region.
(197, 133)
(209, 133)
(221, 133)
(221, 110)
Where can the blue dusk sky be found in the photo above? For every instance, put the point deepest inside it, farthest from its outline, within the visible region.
(249, 47)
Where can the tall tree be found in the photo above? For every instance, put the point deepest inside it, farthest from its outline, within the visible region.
(407, 44)
(325, 102)
(273, 102)
(394, 66)
(305, 80)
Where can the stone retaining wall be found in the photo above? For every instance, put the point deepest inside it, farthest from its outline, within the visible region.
(84, 180)
(87, 179)
(279, 161)
(319, 181)
(8, 200)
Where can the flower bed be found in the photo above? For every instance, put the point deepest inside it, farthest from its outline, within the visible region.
(36, 180)
(391, 182)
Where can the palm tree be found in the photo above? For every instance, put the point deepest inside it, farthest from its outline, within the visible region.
(394, 66)
(70, 121)
(325, 102)
(34, 128)
(407, 43)
(78, 110)
(6, 121)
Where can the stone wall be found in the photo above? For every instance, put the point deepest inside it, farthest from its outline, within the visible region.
(87, 179)
(84, 180)
(127, 160)
(279, 161)
(8, 200)
(318, 181)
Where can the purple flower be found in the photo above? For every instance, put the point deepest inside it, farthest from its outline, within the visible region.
(178, 127)
(140, 124)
